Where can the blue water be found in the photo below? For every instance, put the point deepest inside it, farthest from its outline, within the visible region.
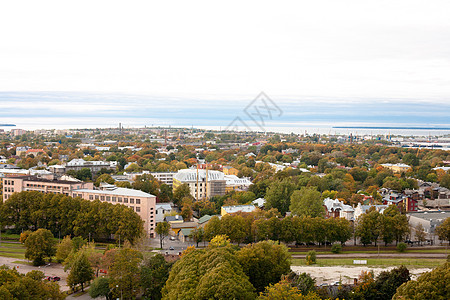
(295, 114)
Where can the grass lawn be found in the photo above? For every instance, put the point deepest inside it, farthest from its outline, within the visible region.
(374, 262)
(20, 262)
(13, 250)
(6, 236)
(13, 255)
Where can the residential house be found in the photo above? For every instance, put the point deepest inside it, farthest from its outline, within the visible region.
(337, 209)
(161, 209)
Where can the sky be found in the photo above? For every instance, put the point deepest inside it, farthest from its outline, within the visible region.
(193, 61)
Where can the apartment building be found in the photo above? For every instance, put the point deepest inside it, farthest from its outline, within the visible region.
(203, 184)
(164, 177)
(19, 184)
(79, 164)
(142, 203)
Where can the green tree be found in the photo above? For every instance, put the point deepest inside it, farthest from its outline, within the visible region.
(100, 288)
(311, 257)
(369, 227)
(146, 183)
(162, 229)
(78, 242)
(213, 228)
(80, 271)
(235, 227)
(443, 230)
(307, 202)
(284, 290)
(211, 273)
(154, 274)
(181, 192)
(198, 235)
(104, 178)
(430, 285)
(303, 281)
(64, 248)
(264, 263)
(39, 245)
(125, 273)
(14, 285)
(278, 195)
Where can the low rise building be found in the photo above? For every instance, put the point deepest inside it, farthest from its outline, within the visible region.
(337, 209)
(234, 183)
(397, 168)
(161, 209)
(227, 170)
(225, 210)
(429, 220)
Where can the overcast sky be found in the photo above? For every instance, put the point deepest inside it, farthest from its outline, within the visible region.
(394, 49)
(360, 56)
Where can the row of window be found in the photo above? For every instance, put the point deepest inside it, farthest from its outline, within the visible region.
(8, 182)
(9, 190)
(114, 199)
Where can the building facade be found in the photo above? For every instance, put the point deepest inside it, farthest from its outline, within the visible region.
(142, 203)
(17, 184)
(203, 184)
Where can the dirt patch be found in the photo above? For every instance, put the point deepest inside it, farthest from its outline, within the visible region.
(346, 274)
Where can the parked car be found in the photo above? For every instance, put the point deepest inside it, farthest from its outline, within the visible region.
(171, 248)
(52, 278)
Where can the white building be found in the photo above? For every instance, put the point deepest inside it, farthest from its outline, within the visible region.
(202, 183)
(337, 209)
(361, 209)
(236, 208)
(234, 183)
(161, 209)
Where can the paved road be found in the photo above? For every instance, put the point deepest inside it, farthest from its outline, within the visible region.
(51, 270)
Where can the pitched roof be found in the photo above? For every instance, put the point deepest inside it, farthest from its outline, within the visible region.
(204, 219)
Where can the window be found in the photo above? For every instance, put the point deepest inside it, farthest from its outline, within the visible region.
(119, 199)
(125, 200)
(102, 198)
(114, 199)
(11, 182)
(138, 209)
(91, 197)
(96, 197)
(132, 207)
(131, 200)
(156, 212)
(108, 198)
(138, 201)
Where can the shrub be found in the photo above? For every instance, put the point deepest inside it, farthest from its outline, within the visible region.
(336, 248)
(311, 257)
(401, 247)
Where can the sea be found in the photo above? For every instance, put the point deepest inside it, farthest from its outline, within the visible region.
(283, 114)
